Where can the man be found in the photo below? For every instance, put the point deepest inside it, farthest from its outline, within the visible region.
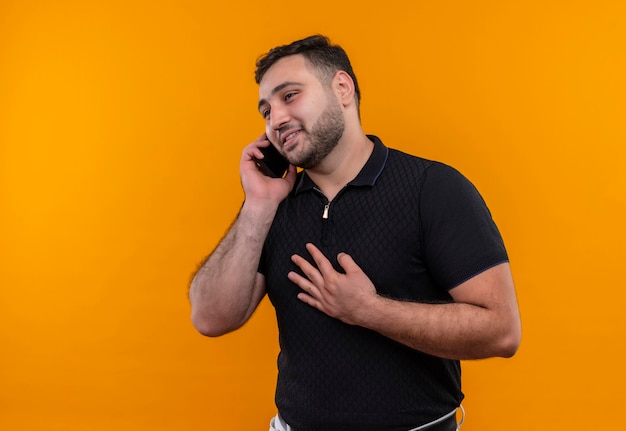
(385, 269)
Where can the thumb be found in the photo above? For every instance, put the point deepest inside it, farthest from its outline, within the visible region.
(347, 263)
(291, 174)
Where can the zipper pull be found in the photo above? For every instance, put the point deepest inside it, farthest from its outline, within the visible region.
(325, 214)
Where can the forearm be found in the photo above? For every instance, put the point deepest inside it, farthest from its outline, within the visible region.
(453, 331)
(224, 292)
(483, 320)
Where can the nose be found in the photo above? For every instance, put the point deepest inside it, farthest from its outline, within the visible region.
(278, 117)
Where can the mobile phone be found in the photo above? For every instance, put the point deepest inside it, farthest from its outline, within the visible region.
(273, 164)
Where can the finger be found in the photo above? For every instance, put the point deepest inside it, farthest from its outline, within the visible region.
(252, 151)
(307, 269)
(323, 264)
(310, 301)
(347, 263)
(304, 284)
(263, 141)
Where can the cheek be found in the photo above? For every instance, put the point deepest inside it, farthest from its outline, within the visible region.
(271, 133)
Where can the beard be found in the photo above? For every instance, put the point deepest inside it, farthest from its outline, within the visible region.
(323, 137)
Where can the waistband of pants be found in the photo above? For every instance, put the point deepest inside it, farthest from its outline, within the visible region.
(444, 423)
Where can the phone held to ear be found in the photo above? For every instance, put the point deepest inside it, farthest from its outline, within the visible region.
(273, 164)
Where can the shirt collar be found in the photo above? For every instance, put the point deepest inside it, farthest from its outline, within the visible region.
(368, 174)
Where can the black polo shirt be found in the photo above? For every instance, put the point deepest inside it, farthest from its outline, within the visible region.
(417, 228)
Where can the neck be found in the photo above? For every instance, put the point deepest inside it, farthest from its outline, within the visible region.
(343, 164)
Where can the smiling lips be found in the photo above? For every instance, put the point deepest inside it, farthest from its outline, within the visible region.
(289, 139)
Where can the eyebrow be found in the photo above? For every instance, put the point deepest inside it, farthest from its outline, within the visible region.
(276, 90)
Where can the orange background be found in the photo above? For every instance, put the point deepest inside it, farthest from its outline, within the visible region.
(121, 125)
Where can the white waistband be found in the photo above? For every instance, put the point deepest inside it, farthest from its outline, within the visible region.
(441, 419)
(278, 424)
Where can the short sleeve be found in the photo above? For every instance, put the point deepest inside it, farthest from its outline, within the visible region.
(460, 238)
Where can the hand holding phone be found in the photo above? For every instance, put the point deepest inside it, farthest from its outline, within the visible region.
(273, 164)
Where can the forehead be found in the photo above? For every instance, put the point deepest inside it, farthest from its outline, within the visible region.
(293, 68)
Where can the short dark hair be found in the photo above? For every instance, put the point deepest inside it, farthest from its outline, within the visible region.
(325, 57)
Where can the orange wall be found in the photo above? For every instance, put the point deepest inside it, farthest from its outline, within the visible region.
(121, 124)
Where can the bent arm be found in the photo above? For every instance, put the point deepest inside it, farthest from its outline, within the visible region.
(483, 321)
(227, 288)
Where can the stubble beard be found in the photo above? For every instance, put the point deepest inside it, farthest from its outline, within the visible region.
(323, 137)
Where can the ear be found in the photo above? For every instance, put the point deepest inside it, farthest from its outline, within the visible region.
(343, 86)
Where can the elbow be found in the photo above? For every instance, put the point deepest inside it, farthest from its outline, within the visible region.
(207, 319)
(210, 327)
(509, 343)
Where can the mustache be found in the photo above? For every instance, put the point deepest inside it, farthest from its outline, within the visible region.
(286, 128)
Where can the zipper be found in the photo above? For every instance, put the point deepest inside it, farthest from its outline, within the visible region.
(326, 228)
(325, 213)
(326, 206)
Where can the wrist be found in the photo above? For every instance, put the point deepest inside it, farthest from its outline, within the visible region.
(258, 211)
(370, 311)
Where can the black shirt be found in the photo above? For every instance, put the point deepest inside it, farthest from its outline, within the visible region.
(417, 228)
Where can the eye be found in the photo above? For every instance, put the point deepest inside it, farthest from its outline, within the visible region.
(289, 95)
(265, 113)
